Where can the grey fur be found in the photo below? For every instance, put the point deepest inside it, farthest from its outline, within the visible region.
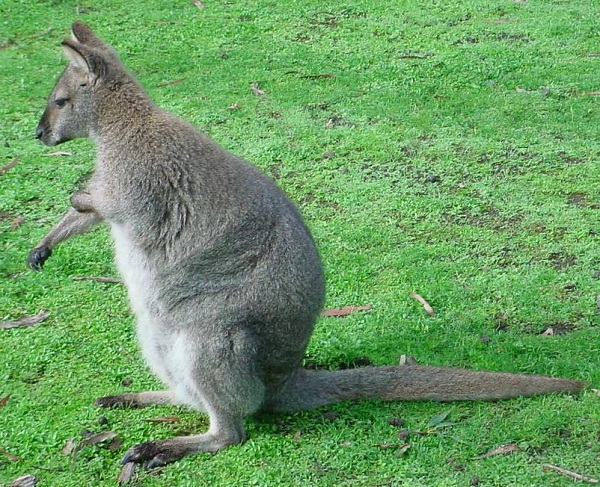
(222, 274)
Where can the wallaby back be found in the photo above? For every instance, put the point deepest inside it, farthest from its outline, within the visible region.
(222, 274)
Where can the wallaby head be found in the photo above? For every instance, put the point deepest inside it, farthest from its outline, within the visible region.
(73, 106)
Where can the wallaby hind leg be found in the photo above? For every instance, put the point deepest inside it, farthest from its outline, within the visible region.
(216, 375)
(72, 223)
(224, 431)
(136, 399)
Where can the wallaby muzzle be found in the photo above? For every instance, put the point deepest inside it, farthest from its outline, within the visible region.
(43, 131)
(44, 134)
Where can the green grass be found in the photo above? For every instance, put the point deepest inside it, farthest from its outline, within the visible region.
(449, 149)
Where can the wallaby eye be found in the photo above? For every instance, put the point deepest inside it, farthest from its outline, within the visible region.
(60, 102)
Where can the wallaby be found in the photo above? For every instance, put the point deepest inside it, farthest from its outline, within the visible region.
(222, 274)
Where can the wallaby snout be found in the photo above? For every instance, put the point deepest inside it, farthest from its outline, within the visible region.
(43, 130)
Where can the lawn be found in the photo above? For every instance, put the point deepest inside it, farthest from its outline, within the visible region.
(448, 149)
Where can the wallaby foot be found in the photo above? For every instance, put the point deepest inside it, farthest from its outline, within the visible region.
(135, 399)
(154, 454)
(38, 256)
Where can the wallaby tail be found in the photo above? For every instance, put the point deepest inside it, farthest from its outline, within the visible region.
(309, 389)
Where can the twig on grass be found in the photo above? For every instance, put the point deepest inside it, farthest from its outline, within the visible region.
(344, 311)
(25, 321)
(9, 166)
(416, 55)
(109, 280)
(426, 306)
(501, 450)
(568, 473)
(10, 456)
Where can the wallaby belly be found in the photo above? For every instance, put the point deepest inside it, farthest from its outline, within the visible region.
(141, 288)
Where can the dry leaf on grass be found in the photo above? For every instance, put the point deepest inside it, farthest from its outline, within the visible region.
(501, 450)
(402, 450)
(9, 456)
(126, 473)
(568, 473)
(69, 447)
(17, 222)
(317, 76)
(25, 321)
(344, 311)
(590, 93)
(109, 280)
(96, 439)
(455, 464)
(39, 34)
(198, 4)
(4, 400)
(426, 306)
(60, 153)
(174, 82)
(256, 91)
(596, 391)
(24, 481)
(9, 166)
(388, 445)
(414, 55)
(163, 419)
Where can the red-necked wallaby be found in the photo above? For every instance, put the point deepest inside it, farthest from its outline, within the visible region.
(222, 274)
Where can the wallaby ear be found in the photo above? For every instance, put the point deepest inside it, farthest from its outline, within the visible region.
(89, 61)
(84, 35)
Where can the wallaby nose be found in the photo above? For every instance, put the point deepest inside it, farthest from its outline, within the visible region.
(39, 132)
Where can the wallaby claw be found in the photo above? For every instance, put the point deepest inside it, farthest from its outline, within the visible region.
(153, 454)
(37, 257)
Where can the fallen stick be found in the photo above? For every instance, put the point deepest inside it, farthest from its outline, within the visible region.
(25, 321)
(426, 306)
(568, 473)
(9, 166)
(110, 280)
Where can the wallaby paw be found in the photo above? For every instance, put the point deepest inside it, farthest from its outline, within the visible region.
(153, 454)
(37, 257)
(118, 401)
